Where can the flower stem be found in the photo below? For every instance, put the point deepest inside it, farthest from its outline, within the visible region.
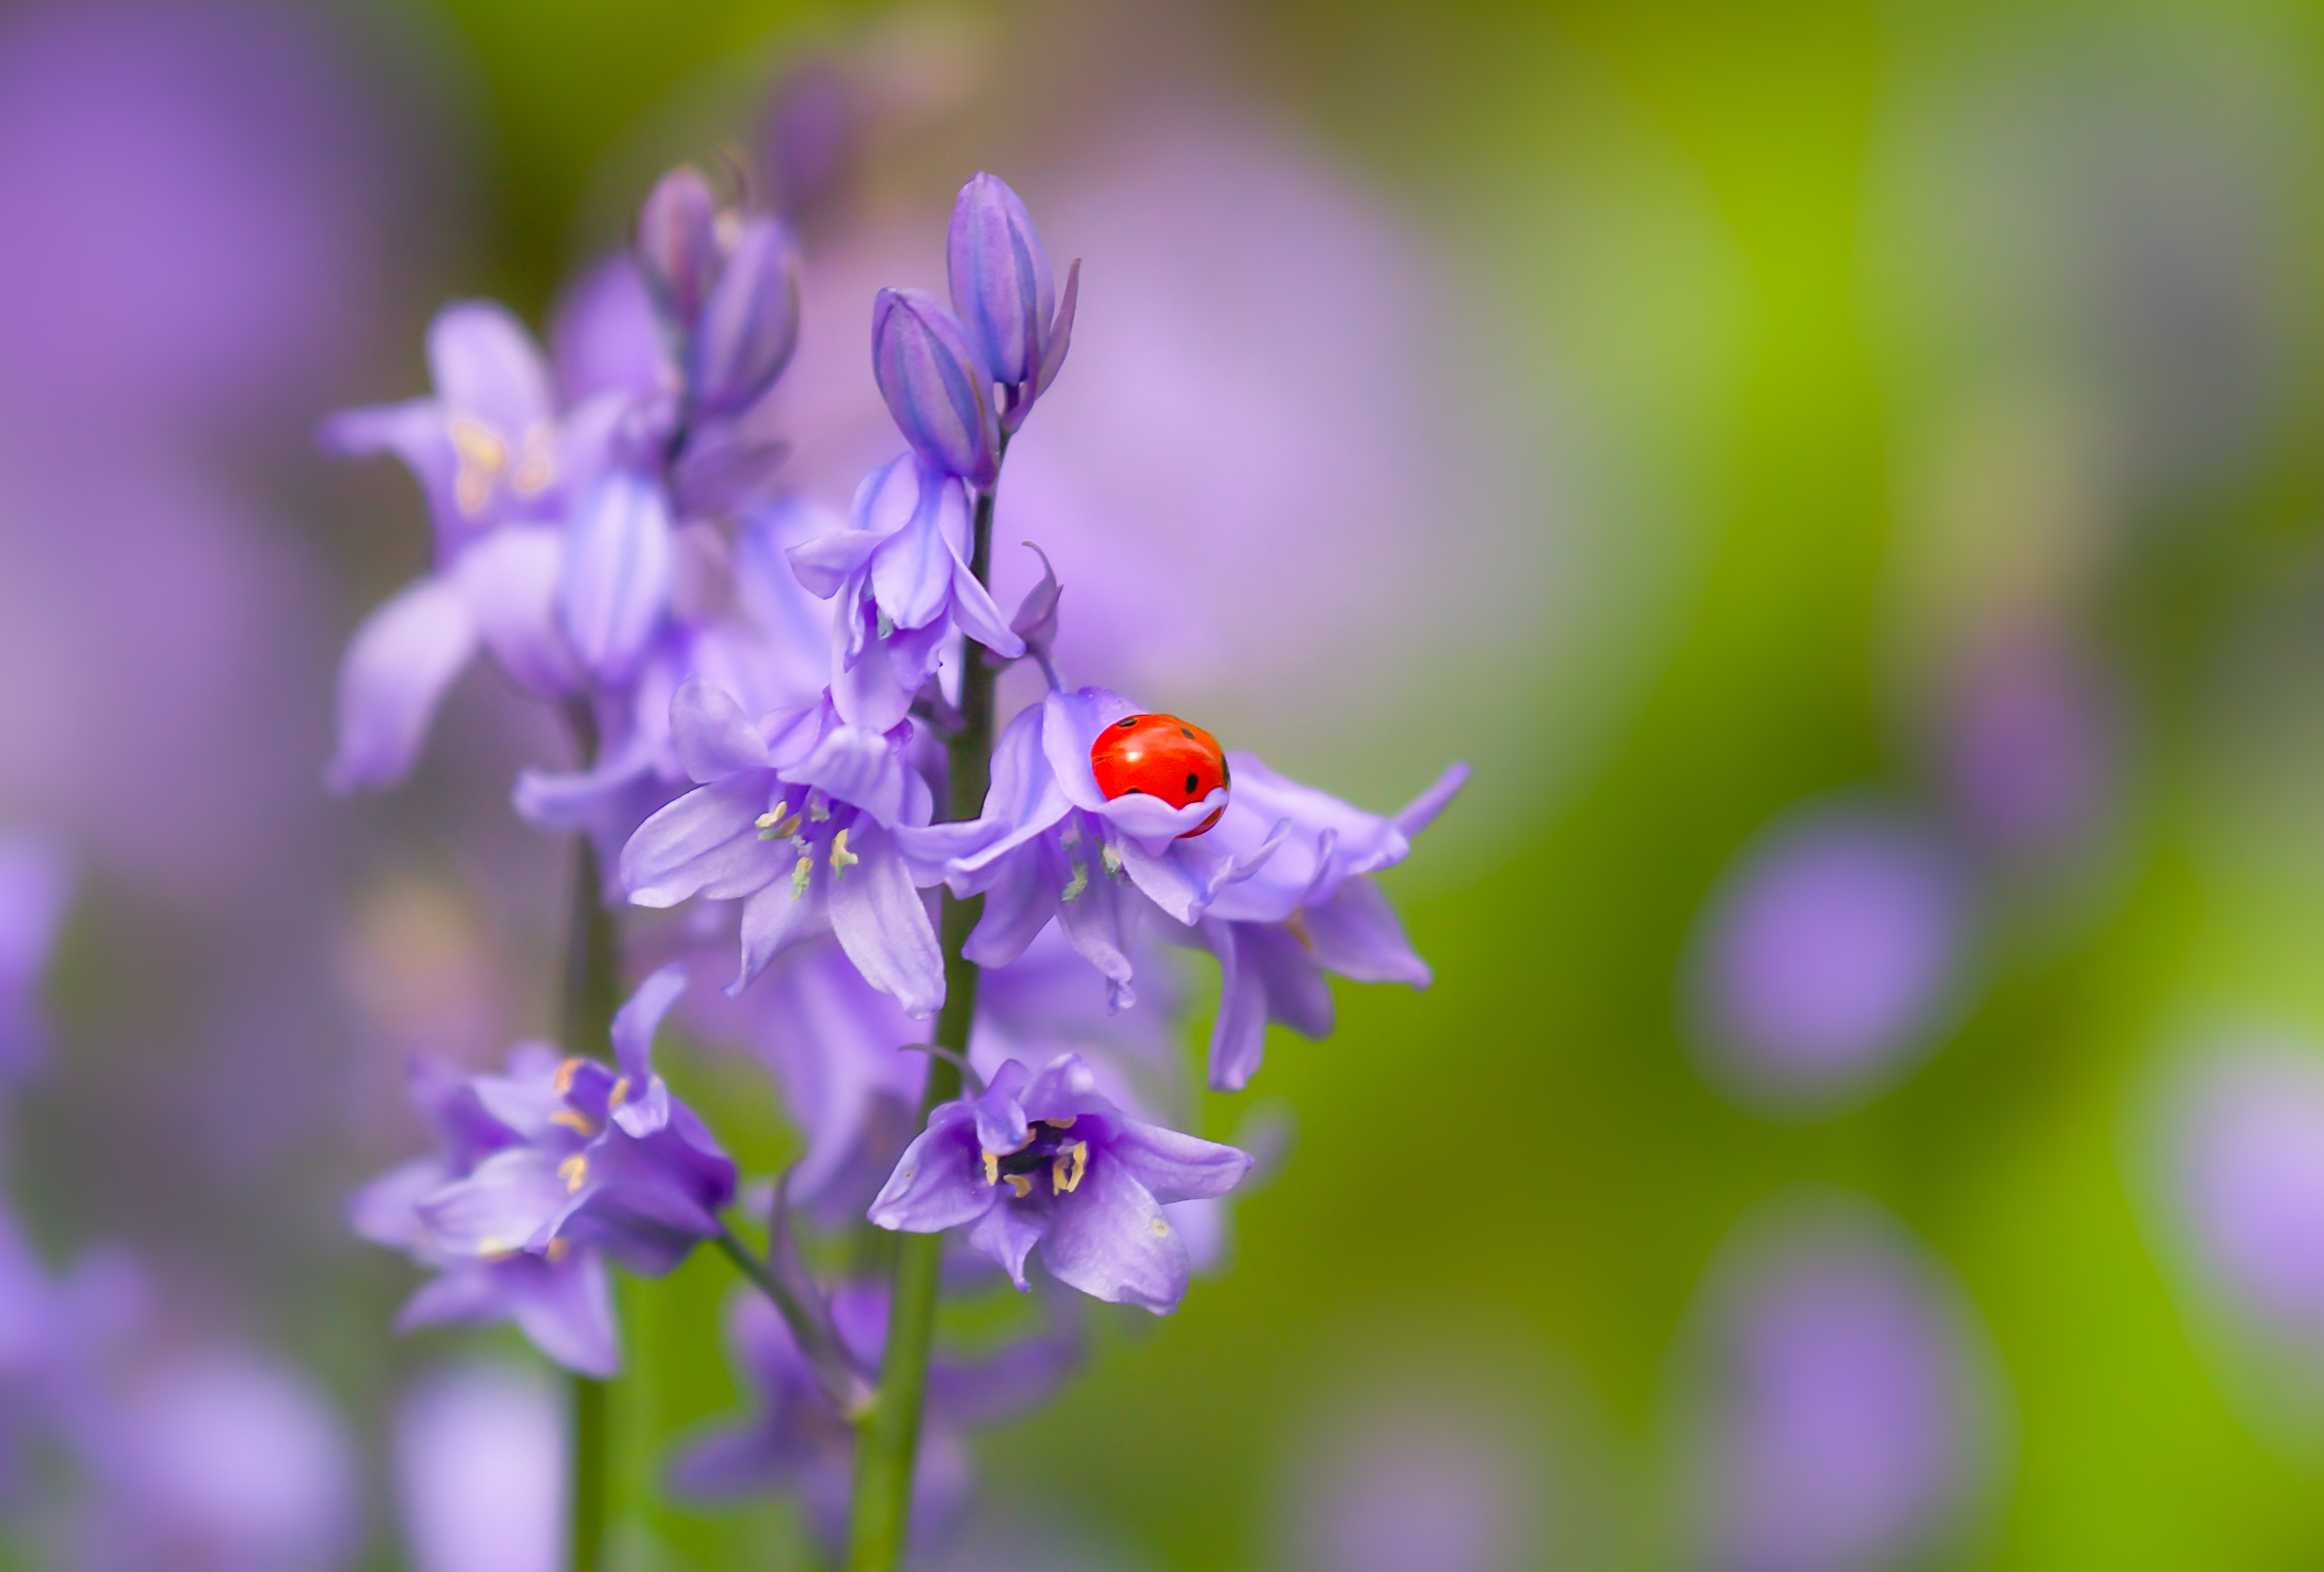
(888, 1440)
(585, 1007)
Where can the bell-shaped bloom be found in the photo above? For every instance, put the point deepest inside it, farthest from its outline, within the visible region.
(901, 587)
(726, 285)
(35, 886)
(796, 815)
(1047, 1159)
(1277, 887)
(936, 385)
(797, 1444)
(677, 245)
(1005, 293)
(542, 1174)
(1828, 956)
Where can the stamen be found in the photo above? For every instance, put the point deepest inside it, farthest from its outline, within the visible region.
(1112, 859)
(816, 808)
(564, 1081)
(558, 1249)
(495, 1248)
(1295, 925)
(479, 455)
(800, 872)
(774, 826)
(1079, 882)
(574, 1171)
(841, 859)
(1060, 1121)
(1019, 1182)
(619, 1095)
(580, 1123)
(1066, 1174)
(992, 1168)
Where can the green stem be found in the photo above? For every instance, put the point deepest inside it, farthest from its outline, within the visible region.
(585, 1007)
(888, 1440)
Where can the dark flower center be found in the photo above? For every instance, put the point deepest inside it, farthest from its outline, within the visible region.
(1052, 1149)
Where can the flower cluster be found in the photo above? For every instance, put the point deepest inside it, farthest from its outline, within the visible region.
(794, 729)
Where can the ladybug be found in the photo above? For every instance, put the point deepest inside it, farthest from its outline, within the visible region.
(1162, 756)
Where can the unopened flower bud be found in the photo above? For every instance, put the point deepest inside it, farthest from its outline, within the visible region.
(936, 385)
(1005, 292)
(749, 320)
(677, 245)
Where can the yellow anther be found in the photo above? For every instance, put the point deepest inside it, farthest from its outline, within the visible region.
(619, 1095)
(773, 815)
(479, 455)
(992, 1168)
(565, 1072)
(559, 1250)
(1112, 859)
(1066, 1174)
(495, 1248)
(538, 466)
(841, 859)
(800, 875)
(1061, 1122)
(580, 1123)
(574, 1171)
(1019, 1182)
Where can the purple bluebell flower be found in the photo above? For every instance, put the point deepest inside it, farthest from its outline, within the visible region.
(1046, 1159)
(1005, 293)
(936, 385)
(1278, 888)
(726, 285)
(35, 886)
(1840, 1412)
(2247, 1177)
(796, 815)
(901, 587)
(544, 1172)
(479, 1469)
(798, 1442)
(1829, 955)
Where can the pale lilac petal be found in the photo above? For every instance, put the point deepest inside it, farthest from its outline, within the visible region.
(911, 570)
(1155, 825)
(387, 1211)
(975, 613)
(620, 565)
(1020, 899)
(939, 1183)
(1239, 1037)
(779, 917)
(712, 735)
(1101, 922)
(860, 767)
(485, 365)
(1006, 1234)
(1065, 1086)
(510, 1198)
(1069, 729)
(636, 1021)
(1356, 935)
(823, 564)
(511, 579)
(395, 673)
(1297, 994)
(1000, 1123)
(1175, 1166)
(1024, 798)
(1419, 814)
(469, 1291)
(415, 432)
(706, 843)
(882, 923)
(566, 1308)
(1114, 1244)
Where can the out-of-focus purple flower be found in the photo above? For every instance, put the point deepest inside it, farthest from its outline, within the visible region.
(479, 1467)
(796, 815)
(1840, 1418)
(542, 1172)
(1005, 293)
(1416, 1480)
(2031, 749)
(726, 285)
(1829, 953)
(1045, 1160)
(605, 339)
(901, 587)
(798, 1442)
(221, 1463)
(936, 385)
(35, 885)
(1278, 888)
(2248, 1171)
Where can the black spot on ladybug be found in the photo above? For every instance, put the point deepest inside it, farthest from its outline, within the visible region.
(1126, 722)
(1187, 732)
(1191, 783)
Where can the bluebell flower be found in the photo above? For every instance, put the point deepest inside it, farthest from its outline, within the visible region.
(1005, 293)
(797, 816)
(936, 385)
(1048, 1161)
(901, 587)
(798, 1443)
(543, 1174)
(726, 286)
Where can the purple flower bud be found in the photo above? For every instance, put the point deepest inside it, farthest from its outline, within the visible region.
(2248, 1179)
(677, 245)
(750, 319)
(936, 385)
(1002, 283)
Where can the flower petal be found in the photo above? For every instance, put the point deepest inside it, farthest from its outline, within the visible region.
(1006, 1234)
(882, 924)
(938, 1182)
(706, 843)
(395, 673)
(636, 1021)
(566, 1308)
(500, 1207)
(1109, 1240)
(712, 735)
(911, 570)
(778, 917)
(1356, 935)
(486, 366)
(512, 580)
(1070, 726)
(822, 564)
(1175, 1166)
(1419, 814)
(620, 565)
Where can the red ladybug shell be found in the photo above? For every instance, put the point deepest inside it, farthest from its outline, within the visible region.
(1162, 756)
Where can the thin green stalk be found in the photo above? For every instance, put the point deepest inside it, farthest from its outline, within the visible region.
(585, 1007)
(889, 1437)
